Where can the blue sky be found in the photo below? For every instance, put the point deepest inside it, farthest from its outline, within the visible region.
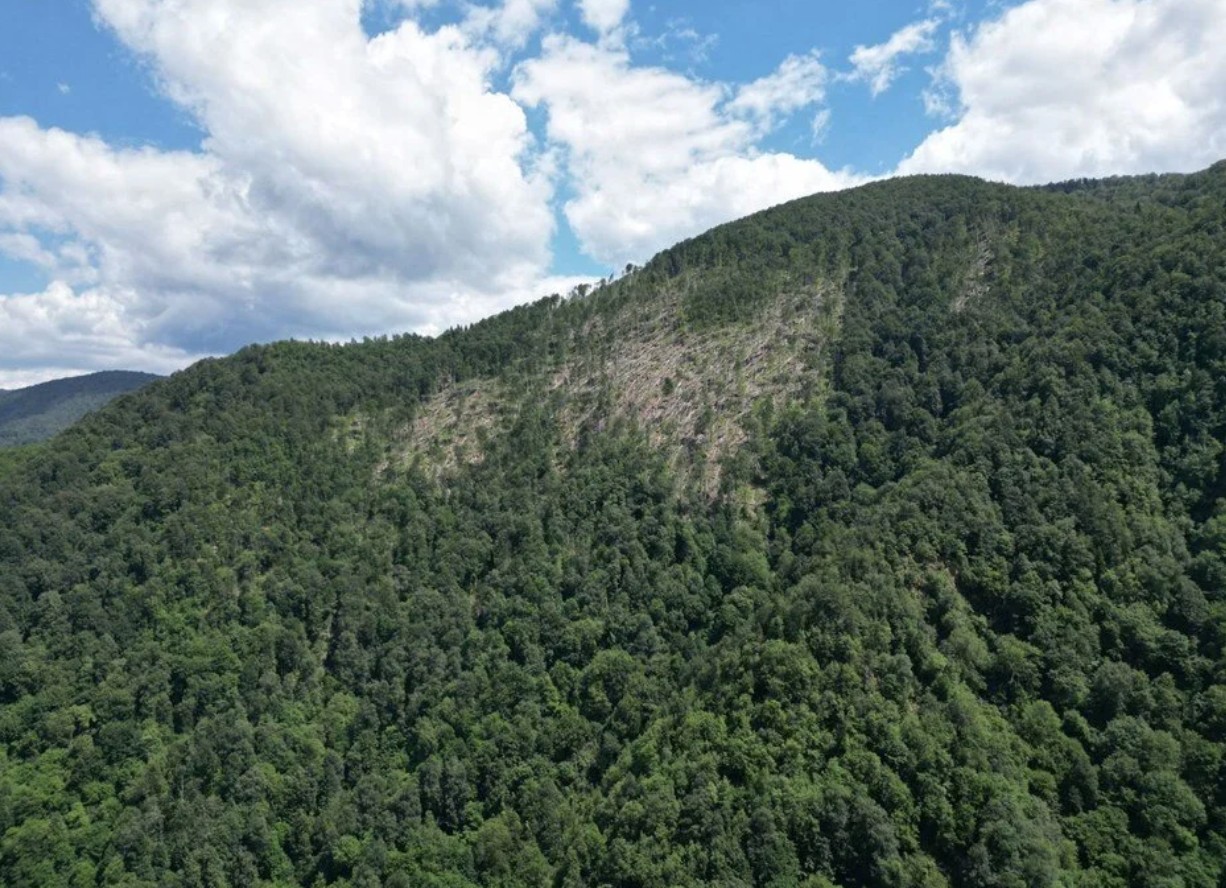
(177, 179)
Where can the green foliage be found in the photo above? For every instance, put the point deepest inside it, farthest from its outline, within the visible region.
(12, 457)
(970, 631)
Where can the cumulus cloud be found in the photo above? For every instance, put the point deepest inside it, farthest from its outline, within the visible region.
(395, 148)
(27, 248)
(1057, 89)
(508, 24)
(798, 83)
(604, 15)
(655, 156)
(345, 184)
(879, 65)
(60, 332)
(349, 184)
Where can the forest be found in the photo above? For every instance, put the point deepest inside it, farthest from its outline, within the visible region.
(948, 610)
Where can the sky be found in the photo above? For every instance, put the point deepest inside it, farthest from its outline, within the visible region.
(179, 178)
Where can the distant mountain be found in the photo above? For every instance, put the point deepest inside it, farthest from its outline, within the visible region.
(41, 411)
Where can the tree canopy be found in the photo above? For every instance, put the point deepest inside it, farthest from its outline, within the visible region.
(951, 614)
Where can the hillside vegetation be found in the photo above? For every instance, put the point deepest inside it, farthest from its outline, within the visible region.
(34, 414)
(878, 539)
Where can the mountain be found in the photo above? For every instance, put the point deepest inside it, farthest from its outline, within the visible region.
(877, 539)
(34, 414)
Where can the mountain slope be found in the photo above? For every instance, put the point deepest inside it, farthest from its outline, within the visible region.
(876, 539)
(39, 412)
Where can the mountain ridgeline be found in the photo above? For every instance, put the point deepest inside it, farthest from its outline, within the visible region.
(34, 414)
(878, 539)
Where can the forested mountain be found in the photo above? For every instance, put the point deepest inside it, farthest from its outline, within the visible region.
(877, 539)
(34, 414)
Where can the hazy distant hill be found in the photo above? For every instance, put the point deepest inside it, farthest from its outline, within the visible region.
(878, 539)
(37, 413)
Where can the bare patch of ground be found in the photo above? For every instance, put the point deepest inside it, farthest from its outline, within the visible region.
(975, 287)
(691, 391)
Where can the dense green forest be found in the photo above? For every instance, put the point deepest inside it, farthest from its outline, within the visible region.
(34, 414)
(949, 610)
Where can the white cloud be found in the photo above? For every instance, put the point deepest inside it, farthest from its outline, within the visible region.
(679, 41)
(798, 83)
(510, 23)
(821, 125)
(17, 379)
(1066, 88)
(878, 65)
(63, 88)
(655, 156)
(346, 185)
(26, 248)
(604, 15)
(60, 332)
